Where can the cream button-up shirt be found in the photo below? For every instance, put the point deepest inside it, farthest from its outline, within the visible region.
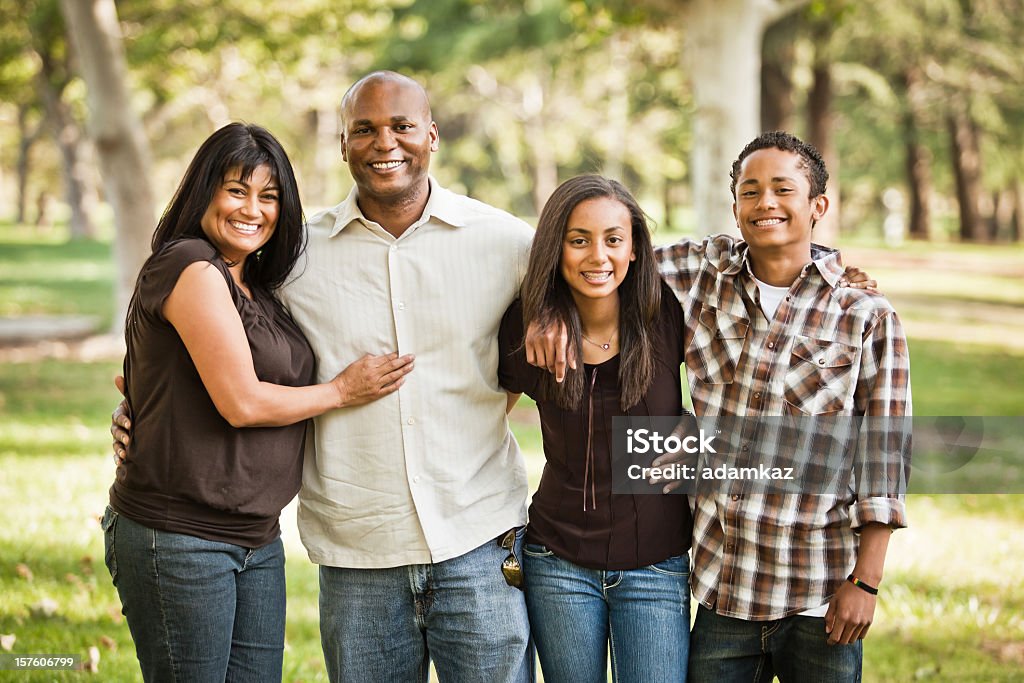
(431, 471)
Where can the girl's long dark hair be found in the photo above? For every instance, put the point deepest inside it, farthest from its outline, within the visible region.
(244, 147)
(546, 296)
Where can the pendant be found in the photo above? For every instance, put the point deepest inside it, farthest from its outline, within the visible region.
(606, 346)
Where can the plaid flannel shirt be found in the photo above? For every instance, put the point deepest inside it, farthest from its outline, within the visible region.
(827, 351)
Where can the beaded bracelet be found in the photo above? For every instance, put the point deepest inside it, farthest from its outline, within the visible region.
(861, 585)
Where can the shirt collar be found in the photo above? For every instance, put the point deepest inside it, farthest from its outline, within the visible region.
(826, 260)
(441, 205)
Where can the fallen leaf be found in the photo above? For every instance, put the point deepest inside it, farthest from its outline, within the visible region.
(93, 665)
(7, 641)
(108, 642)
(46, 607)
(23, 571)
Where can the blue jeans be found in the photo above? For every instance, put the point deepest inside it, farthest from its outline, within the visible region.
(198, 610)
(794, 648)
(388, 624)
(576, 613)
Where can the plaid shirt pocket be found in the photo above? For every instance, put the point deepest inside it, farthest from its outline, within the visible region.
(716, 346)
(820, 377)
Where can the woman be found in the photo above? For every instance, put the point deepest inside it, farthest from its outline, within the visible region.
(220, 382)
(602, 570)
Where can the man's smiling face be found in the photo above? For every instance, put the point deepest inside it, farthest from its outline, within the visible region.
(387, 140)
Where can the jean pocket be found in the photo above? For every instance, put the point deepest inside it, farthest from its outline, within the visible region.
(109, 525)
(535, 550)
(678, 565)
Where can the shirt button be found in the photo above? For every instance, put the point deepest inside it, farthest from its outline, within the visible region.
(411, 420)
(416, 479)
(821, 361)
(745, 448)
(401, 305)
(757, 396)
(730, 546)
(736, 497)
(771, 345)
(789, 298)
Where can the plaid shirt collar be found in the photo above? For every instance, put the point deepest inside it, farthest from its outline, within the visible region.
(828, 262)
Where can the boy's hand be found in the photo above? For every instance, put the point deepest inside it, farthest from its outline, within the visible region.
(849, 614)
(548, 348)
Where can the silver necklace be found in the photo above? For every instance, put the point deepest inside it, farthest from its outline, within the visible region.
(607, 345)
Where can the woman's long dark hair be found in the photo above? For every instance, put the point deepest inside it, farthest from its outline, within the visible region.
(244, 147)
(547, 298)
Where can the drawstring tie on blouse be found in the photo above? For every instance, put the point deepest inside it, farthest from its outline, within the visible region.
(589, 472)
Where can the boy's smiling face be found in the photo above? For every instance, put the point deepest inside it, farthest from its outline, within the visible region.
(772, 206)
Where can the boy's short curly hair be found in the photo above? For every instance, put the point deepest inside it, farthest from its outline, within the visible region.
(811, 160)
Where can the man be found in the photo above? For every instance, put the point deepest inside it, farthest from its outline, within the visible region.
(770, 331)
(406, 502)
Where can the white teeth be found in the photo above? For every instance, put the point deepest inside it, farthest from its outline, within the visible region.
(600, 276)
(244, 227)
(767, 221)
(386, 165)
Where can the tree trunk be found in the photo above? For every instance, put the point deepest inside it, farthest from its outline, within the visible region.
(617, 81)
(542, 158)
(967, 170)
(919, 182)
(68, 136)
(918, 161)
(1017, 193)
(723, 57)
(778, 55)
(1002, 215)
(27, 138)
(117, 132)
(820, 127)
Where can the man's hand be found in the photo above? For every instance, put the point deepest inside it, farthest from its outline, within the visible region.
(857, 279)
(120, 425)
(849, 615)
(548, 348)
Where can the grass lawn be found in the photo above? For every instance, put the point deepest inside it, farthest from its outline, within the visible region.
(952, 606)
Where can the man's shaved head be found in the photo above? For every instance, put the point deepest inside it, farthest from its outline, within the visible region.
(381, 77)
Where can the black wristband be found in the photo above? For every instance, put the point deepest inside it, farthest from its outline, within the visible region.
(861, 585)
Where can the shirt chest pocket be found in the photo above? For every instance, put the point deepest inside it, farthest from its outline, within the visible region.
(820, 377)
(716, 347)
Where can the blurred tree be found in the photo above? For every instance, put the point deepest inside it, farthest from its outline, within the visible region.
(722, 57)
(36, 77)
(939, 76)
(117, 133)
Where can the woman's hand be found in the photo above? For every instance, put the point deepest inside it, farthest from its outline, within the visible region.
(371, 377)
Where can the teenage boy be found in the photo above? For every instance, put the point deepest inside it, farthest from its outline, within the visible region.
(787, 583)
